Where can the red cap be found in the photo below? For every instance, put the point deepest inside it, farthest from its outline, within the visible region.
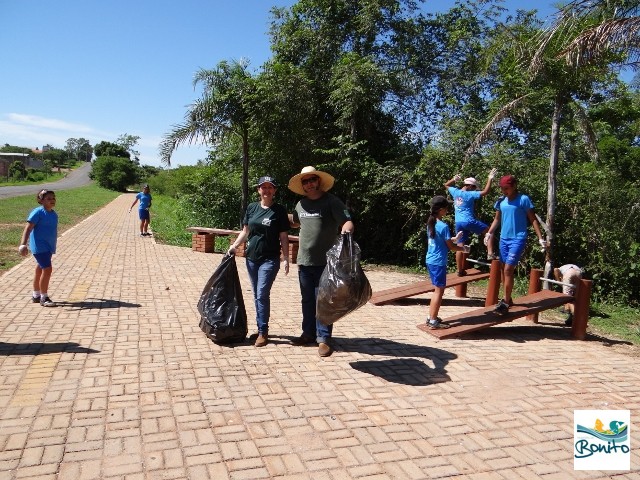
(508, 181)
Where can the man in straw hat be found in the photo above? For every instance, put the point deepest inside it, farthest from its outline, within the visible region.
(321, 216)
(464, 200)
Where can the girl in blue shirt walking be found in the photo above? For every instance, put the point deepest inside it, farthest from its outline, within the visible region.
(41, 231)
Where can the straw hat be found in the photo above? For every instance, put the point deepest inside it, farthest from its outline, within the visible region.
(326, 180)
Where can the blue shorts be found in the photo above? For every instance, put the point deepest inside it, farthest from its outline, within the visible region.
(511, 250)
(469, 227)
(438, 275)
(143, 213)
(43, 259)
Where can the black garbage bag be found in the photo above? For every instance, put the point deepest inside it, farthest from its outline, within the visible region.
(343, 285)
(221, 305)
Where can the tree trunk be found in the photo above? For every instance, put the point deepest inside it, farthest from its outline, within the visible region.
(245, 169)
(551, 183)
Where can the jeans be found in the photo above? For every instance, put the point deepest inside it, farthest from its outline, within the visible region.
(262, 275)
(309, 277)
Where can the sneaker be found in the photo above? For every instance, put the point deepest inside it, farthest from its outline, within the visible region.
(569, 321)
(261, 341)
(324, 349)
(146, 234)
(437, 324)
(35, 299)
(493, 256)
(47, 302)
(502, 308)
(303, 340)
(142, 235)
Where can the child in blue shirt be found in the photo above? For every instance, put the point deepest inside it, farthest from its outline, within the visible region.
(41, 231)
(514, 212)
(464, 200)
(439, 244)
(144, 197)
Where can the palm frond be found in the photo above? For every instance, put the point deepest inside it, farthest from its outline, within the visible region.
(589, 133)
(486, 132)
(617, 35)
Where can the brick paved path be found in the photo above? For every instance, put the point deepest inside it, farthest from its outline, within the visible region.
(120, 383)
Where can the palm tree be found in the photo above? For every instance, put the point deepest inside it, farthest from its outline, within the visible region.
(550, 75)
(222, 110)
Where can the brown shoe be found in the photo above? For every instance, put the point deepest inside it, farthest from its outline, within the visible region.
(261, 341)
(324, 349)
(303, 340)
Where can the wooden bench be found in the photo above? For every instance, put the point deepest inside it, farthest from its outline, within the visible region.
(529, 306)
(417, 288)
(203, 239)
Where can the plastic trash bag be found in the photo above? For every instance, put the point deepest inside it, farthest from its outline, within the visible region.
(221, 305)
(343, 285)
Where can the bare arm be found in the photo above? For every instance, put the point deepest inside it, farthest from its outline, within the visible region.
(22, 248)
(239, 240)
(284, 243)
(536, 225)
(292, 223)
(133, 204)
(452, 181)
(490, 177)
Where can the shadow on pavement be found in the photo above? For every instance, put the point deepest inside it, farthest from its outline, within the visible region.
(537, 332)
(97, 303)
(408, 370)
(8, 349)
(450, 302)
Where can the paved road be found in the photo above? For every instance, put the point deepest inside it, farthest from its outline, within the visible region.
(119, 383)
(76, 178)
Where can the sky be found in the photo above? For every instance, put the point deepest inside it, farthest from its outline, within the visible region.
(98, 69)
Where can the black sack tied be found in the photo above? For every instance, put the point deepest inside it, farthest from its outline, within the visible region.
(343, 285)
(221, 305)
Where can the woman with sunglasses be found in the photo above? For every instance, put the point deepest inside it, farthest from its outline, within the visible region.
(41, 232)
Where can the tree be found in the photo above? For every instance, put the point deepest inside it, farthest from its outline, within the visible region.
(114, 173)
(17, 170)
(110, 149)
(79, 149)
(222, 110)
(127, 142)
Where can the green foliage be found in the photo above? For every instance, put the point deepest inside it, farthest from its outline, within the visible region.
(17, 170)
(109, 149)
(115, 173)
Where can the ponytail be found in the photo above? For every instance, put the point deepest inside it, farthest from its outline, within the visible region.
(431, 223)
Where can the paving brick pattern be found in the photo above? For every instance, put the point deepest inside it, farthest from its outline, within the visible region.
(120, 383)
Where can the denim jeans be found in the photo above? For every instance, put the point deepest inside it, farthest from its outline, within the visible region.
(262, 275)
(309, 277)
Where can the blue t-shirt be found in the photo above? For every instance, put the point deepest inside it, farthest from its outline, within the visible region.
(437, 250)
(513, 216)
(145, 200)
(463, 203)
(44, 235)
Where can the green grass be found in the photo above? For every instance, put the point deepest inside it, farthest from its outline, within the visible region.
(52, 177)
(169, 223)
(72, 207)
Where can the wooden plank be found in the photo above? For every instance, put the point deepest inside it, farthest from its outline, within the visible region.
(416, 288)
(224, 232)
(484, 317)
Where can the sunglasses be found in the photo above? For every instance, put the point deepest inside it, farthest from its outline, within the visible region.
(309, 180)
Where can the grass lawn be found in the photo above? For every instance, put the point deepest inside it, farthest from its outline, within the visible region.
(72, 207)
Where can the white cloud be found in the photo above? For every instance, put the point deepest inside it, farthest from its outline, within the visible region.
(33, 131)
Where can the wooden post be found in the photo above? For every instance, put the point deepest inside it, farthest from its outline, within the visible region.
(534, 286)
(493, 289)
(461, 289)
(581, 310)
